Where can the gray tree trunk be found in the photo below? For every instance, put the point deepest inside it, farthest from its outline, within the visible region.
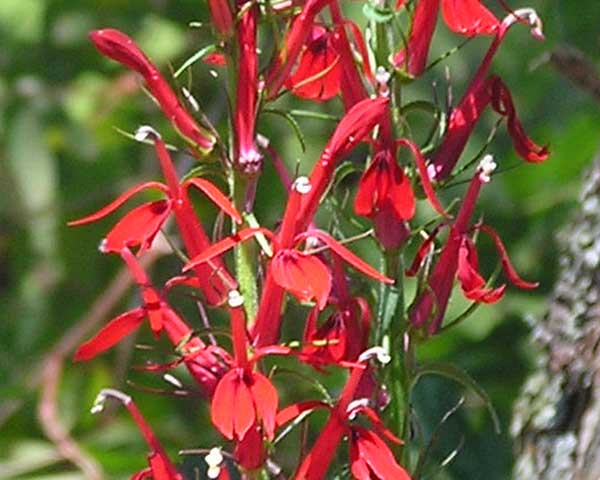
(556, 422)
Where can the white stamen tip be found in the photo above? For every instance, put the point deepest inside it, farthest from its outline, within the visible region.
(167, 377)
(355, 406)
(531, 16)
(380, 353)
(486, 168)
(262, 141)
(235, 299)
(214, 459)
(214, 73)
(302, 185)
(146, 132)
(106, 393)
(382, 76)
(102, 247)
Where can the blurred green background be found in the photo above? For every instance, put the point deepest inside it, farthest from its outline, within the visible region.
(60, 157)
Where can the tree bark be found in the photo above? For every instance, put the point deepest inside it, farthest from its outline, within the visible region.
(556, 421)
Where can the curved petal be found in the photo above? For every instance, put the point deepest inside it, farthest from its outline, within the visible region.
(366, 194)
(224, 245)
(400, 194)
(469, 17)
(215, 195)
(138, 227)
(244, 408)
(266, 401)
(111, 207)
(347, 255)
(223, 405)
(378, 456)
(468, 276)
(111, 334)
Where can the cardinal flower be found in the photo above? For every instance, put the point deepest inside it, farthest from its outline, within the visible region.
(458, 258)
(206, 364)
(482, 92)
(317, 76)
(160, 467)
(140, 226)
(121, 48)
(469, 17)
(370, 457)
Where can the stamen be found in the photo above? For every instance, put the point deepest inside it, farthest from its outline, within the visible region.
(235, 299)
(486, 168)
(146, 132)
(106, 393)
(302, 185)
(381, 353)
(214, 459)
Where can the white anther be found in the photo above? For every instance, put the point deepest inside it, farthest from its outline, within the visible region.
(167, 377)
(214, 73)
(262, 141)
(302, 185)
(146, 132)
(382, 76)
(214, 459)
(106, 393)
(355, 406)
(235, 299)
(102, 246)
(531, 16)
(486, 168)
(380, 353)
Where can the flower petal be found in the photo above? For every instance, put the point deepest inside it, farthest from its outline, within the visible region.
(111, 207)
(138, 227)
(347, 255)
(223, 405)
(215, 195)
(266, 401)
(469, 17)
(111, 334)
(378, 456)
(471, 282)
(224, 245)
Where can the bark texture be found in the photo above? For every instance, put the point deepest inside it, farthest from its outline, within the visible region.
(556, 422)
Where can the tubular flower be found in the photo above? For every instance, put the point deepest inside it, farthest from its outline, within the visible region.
(369, 455)
(160, 467)
(481, 92)
(121, 48)
(413, 58)
(244, 404)
(458, 258)
(222, 18)
(140, 226)
(206, 364)
(295, 40)
(248, 159)
(317, 76)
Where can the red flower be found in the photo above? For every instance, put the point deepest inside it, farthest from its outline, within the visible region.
(317, 76)
(469, 17)
(206, 364)
(459, 259)
(481, 92)
(385, 186)
(413, 58)
(160, 467)
(245, 400)
(368, 453)
(121, 48)
(140, 226)
(248, 158)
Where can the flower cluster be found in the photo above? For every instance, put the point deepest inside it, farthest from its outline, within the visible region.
(320, 56)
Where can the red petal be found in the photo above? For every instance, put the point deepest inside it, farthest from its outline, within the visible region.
(160, 468)
(111, 207)
(121, 48)
(366, 196)
(347, 255)
(422, 252)
(304, 276)
(511, 273)
(378, 456)
(503, 104)
(291, 412)
(216, 196)
(224, 245)
(244, 413)
(469, 17)
(138, 227)
(471, 282)
(111, 334)
(425, 181)
(223, 405)
(266, 401)
(362, 50)
(400, 194)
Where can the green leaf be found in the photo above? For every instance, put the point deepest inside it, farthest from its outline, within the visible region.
(293, 123)
(460, 376)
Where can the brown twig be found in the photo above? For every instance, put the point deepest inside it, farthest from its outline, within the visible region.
(53, 363)
(578, 68)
